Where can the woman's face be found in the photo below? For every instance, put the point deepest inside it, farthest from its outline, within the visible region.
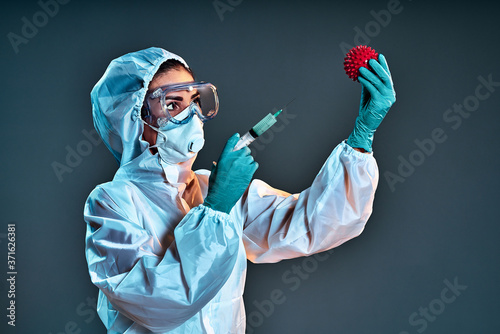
(171, 77)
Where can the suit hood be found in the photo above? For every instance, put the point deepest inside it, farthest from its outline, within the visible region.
(117, 99)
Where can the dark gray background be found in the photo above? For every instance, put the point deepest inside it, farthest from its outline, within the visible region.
(440, 224)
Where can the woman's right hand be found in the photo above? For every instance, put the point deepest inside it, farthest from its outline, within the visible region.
(230, 177)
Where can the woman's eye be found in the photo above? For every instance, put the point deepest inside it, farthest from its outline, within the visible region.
(171, 106)
(197, 101)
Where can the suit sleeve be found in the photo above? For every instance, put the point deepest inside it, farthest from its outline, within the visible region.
(158, 292)
(279, 225)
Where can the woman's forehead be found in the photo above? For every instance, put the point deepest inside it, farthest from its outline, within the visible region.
(171, 77)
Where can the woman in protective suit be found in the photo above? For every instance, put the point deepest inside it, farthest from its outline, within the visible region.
(167, 246)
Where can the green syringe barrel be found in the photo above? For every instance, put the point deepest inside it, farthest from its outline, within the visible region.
(261, 127)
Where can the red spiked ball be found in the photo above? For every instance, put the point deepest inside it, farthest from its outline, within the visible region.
(358, 57)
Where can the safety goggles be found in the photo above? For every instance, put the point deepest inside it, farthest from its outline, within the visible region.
(178, 103)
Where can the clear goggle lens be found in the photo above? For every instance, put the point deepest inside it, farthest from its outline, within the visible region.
(179, 102)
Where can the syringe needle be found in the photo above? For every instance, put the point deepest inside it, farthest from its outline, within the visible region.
(286, 105)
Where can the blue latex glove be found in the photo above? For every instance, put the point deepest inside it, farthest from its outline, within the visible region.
(377, 97)
(230, 176)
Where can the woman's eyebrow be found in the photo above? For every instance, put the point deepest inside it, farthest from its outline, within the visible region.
(180, 98)
(174, 97)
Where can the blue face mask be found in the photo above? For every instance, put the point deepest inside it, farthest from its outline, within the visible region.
(179, 143)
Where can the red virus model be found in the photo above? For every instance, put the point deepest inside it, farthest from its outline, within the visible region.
(358, 57)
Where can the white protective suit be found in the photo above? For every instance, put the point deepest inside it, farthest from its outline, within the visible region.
(163, 262)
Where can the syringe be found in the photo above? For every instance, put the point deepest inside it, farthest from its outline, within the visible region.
(258, 129)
